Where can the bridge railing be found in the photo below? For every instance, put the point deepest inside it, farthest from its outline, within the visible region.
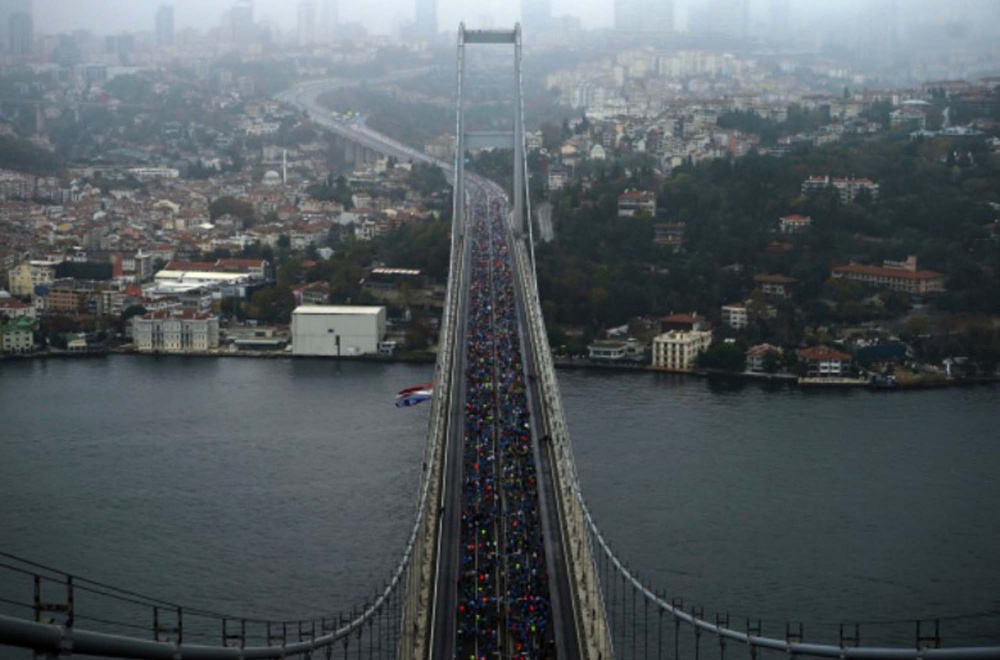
(631, 602)
(588, 606)
(57, 613)
(418, 613)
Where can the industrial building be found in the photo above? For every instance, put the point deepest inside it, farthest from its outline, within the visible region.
(337, 330)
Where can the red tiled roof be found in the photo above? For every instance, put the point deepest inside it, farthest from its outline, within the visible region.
(761, 350)
(822, 354)
(241, 263)
(680, 318)
(881, 271)
(796, 218)
(773, 279)
(191, 265)
(779, 246)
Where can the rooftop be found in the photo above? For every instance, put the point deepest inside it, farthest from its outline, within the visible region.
(822, 353)
(681, 318)
(882, 271)
(765, 278)
(358, 310)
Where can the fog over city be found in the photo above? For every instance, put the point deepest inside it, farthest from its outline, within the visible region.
(955, 19)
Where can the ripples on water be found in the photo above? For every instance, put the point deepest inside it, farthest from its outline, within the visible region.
(286, 488)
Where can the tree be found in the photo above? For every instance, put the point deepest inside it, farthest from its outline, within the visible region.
(418, 336)
(273, 304)
(343, 193)
(551, 137)
(725, 356)
(128, 314)
(231, 206)
(772, 361)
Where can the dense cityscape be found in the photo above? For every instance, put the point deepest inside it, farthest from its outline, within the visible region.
(738, 238)
(157, 198)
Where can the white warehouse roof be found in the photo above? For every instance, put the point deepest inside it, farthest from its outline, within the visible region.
(360, 310)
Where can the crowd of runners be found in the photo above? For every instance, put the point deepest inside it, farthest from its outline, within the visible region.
(503, 605)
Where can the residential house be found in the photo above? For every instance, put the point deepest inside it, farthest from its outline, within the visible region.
(314, 293)
(793, 224)
(616, 350)
(756, 356)
(775, 285)
(823, 361)
(847, 188)
(670, 234)
(558, 177)
(23, 278)
(632, 202)
(13, 308)
(735, 316)
(17, 336)
(678, 350)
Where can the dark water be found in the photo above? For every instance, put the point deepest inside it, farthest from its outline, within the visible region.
(286, 488)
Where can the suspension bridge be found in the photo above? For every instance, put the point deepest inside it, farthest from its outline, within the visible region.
(504, 559)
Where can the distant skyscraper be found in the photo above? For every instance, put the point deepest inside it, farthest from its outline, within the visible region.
(878, 32)
(17, 26)
(730, 18)
(22, 29)
(307, 24)
(426, 21)
(241, 22)
(122, 45)
(644, 15)
(779, 18)
(165, 26)
(329, 19)
(536, 16)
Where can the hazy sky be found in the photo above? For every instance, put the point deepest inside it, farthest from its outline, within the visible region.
(105, 16)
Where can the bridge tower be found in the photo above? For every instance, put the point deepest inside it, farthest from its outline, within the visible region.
(513, 140)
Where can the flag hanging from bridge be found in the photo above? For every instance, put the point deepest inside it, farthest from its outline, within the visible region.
(412, 396)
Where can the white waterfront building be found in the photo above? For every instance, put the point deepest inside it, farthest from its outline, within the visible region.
(176, 331)
(677, 350)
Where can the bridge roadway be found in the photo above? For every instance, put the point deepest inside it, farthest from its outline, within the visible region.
(445, 599)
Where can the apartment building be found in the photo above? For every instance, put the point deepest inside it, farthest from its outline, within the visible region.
(632, 202)
(735, 316)
(17, 336)
(677, 350)
(895, 275)
(847, 188)
(23, 278)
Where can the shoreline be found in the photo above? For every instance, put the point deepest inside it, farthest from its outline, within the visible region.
(561, 364)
